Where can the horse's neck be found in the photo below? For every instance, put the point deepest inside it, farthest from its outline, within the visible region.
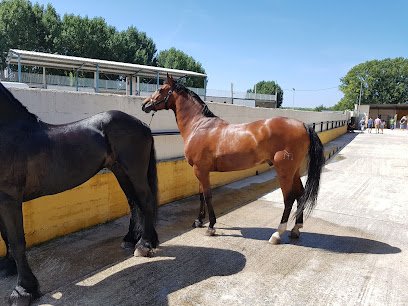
(11, 110)
(8, 115)
(188, 114)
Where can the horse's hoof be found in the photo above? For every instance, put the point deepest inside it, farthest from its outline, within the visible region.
(20, 297)
(127, 245)
(295, 234)
(142, 251)
(197, 223)
(275, 238)
(210, 232)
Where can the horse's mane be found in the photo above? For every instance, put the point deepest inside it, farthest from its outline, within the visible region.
(11, 108)
(180, 88)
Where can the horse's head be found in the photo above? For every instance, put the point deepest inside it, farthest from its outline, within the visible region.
(161, 98)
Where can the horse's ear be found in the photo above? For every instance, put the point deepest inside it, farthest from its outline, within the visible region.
(170, 79)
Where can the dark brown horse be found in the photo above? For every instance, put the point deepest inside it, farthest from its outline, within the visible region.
(212, 144)
(38, 159)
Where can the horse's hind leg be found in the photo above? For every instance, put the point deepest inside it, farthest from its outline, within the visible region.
(298, 189)
(134, 232)
(7, 264)
(12, 218)
(285, 170)
(201, 214)
(204, 178)
(141, 201)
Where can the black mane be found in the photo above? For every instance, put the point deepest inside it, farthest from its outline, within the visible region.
(180, 88)
(11, 108)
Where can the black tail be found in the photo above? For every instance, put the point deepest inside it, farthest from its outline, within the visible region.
(316, 162)
(152, 179)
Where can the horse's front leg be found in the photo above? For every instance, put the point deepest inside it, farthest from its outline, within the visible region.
(204, 178)
(27, 287)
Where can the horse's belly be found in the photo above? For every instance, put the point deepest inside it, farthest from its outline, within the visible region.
(236, 162)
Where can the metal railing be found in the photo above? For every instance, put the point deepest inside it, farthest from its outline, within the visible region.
(120, 85)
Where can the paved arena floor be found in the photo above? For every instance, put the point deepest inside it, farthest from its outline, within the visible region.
(352, 251)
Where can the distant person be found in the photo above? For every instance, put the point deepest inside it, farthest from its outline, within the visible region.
(403, 122)
(392, 123)
(370, 123)
(382, 126)
(362, 124)
(377, 123)
(351, 127)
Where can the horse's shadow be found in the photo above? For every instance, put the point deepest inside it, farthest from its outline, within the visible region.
(331, 243)
(150, 283)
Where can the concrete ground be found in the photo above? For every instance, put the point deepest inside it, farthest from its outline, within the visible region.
(352, 251)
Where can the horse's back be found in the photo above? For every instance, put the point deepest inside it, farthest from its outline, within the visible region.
(121, 124)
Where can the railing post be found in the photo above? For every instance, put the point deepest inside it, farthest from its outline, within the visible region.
(321, 126)
(327, 125)
(19, 69)
(314, 126)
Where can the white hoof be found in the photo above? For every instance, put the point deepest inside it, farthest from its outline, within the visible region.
(210, 232)
(141, 251)
(275, 238)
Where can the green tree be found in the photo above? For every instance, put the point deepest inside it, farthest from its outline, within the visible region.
(269, 88)
(85, 37)
(51, 23)
(132, 46)
(322, 108)
(20, 27)
(176, 59)
(380, 81)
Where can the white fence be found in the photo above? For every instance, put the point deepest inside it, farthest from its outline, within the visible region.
(118, 86)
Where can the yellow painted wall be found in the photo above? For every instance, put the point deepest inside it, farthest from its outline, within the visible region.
(100, 199)
(327, 136)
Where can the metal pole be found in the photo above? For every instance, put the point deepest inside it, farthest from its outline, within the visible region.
(158, 79)
(44, 79)
(232, 93)
(359, 98)
(97, 78)
(19, 69)
(293, 98)
(76, 79)
(205, 88)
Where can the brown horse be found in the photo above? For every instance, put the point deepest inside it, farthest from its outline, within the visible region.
(212, 144)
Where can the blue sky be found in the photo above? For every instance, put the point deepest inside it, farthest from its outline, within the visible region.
(306, 45)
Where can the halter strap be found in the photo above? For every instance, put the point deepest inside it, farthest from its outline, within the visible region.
(165, 100)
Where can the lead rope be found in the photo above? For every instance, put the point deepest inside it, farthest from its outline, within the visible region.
(151, 118)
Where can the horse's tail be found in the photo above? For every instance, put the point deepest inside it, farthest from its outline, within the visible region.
(152, 179)
(316, 162)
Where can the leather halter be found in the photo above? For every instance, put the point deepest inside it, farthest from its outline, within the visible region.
(165, 100)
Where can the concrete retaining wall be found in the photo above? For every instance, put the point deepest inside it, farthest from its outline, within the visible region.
(58, 107)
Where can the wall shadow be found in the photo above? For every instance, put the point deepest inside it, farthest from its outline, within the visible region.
(151, 282)
(331, 243)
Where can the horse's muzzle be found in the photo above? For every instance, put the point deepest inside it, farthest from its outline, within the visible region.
(147, 107)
